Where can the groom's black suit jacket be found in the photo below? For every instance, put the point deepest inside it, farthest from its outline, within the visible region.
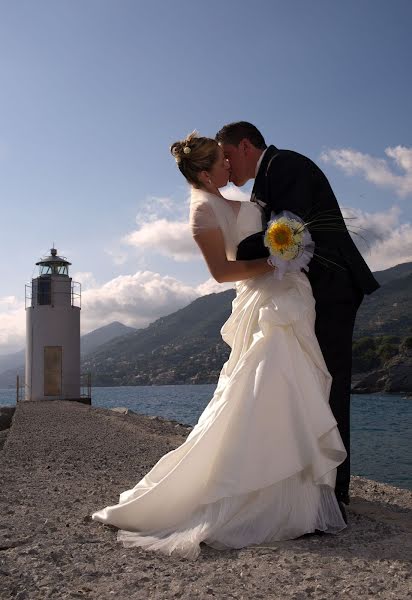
(290, 181)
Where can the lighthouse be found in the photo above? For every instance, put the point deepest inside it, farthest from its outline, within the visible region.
(53, 333)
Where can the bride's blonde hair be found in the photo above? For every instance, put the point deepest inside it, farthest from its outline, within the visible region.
(193, 155)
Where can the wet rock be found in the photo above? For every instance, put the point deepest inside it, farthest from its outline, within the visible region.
(6, 416)
(122, 410)
(394, 377)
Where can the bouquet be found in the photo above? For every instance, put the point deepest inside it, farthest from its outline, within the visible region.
(289, 242)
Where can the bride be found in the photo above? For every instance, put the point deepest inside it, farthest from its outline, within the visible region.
(260, 464)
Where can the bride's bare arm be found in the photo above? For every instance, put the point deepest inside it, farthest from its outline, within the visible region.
(212, 246)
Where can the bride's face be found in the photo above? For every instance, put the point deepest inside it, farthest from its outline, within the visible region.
(219, 173)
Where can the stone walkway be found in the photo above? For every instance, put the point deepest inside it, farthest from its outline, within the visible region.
(61, 461)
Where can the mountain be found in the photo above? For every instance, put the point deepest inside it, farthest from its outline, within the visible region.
(388, 311)
(13, 364)
(8, 378)
(389, 365)
(396, 272)
(12, 361)
(91, 341)
(186, 346)
(183, 347)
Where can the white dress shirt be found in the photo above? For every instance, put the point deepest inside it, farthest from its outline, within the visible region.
(259, 162)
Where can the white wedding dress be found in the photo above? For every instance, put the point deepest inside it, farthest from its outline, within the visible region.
(260, 464)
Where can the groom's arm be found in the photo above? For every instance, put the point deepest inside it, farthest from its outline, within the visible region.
(288, 186)
(252, 247)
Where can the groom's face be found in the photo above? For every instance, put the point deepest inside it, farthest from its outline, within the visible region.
(238, 163)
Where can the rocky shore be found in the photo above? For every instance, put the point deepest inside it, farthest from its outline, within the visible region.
(394, 377)
(61, 461)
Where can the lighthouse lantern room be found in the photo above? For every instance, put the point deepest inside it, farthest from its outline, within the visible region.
(53, 333)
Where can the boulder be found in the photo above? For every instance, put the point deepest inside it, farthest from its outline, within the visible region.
(399, 374)
(6, 415)
(122, 410)
(394, 377)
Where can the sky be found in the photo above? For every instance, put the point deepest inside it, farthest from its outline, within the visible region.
(93, 93)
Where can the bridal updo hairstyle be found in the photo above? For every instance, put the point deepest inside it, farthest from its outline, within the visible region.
(193, 155)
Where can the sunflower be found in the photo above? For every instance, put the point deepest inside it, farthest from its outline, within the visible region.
(289, 243)
(279, 237)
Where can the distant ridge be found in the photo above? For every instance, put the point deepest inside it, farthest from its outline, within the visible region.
(392, 273)
(13, 364)
(186, 346)
(11, 361)
(91, 341)
(183, 347)
(388, 311)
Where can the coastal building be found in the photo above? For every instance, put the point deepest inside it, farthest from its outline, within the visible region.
(53, 304)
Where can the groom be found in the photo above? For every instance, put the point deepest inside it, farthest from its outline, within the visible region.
(286, 180)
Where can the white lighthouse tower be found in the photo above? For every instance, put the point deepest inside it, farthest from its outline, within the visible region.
(53, 333)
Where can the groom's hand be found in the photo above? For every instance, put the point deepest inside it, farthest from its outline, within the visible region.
(252, 247)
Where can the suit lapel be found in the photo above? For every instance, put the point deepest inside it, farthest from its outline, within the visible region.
(259, 187)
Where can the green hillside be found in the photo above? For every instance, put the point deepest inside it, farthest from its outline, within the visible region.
(186, 346)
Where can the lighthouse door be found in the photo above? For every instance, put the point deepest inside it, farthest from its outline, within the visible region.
(52, 370)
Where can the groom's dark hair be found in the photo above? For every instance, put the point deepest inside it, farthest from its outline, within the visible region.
(234, 133)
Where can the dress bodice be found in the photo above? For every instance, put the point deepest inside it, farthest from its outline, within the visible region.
(208, 211)
(249, 220)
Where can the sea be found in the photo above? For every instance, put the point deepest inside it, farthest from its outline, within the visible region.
(381, 424)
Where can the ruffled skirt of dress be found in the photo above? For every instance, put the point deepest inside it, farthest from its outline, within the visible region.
(260, 464)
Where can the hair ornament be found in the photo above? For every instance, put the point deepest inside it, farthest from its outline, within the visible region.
(187, 150)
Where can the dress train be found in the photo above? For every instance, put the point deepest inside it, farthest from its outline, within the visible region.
(260, 464)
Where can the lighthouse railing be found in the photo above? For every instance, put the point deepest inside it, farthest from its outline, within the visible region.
(86, 385)
(76, 294)
(21, 389)
(28, 295)
(49, 298)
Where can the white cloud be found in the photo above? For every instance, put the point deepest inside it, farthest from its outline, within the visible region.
(231, 192)
(376, 170)
(169, 238)
(155, 208)
(86, 278)
(383, 240)
(395, 249)
(140, 299)
(12, 324)
(135, 300)
(374, 227)
(163, 227)
(210, 286)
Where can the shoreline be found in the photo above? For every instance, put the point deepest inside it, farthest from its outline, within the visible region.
(355, 392)
(383, 459)
(62, 461)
